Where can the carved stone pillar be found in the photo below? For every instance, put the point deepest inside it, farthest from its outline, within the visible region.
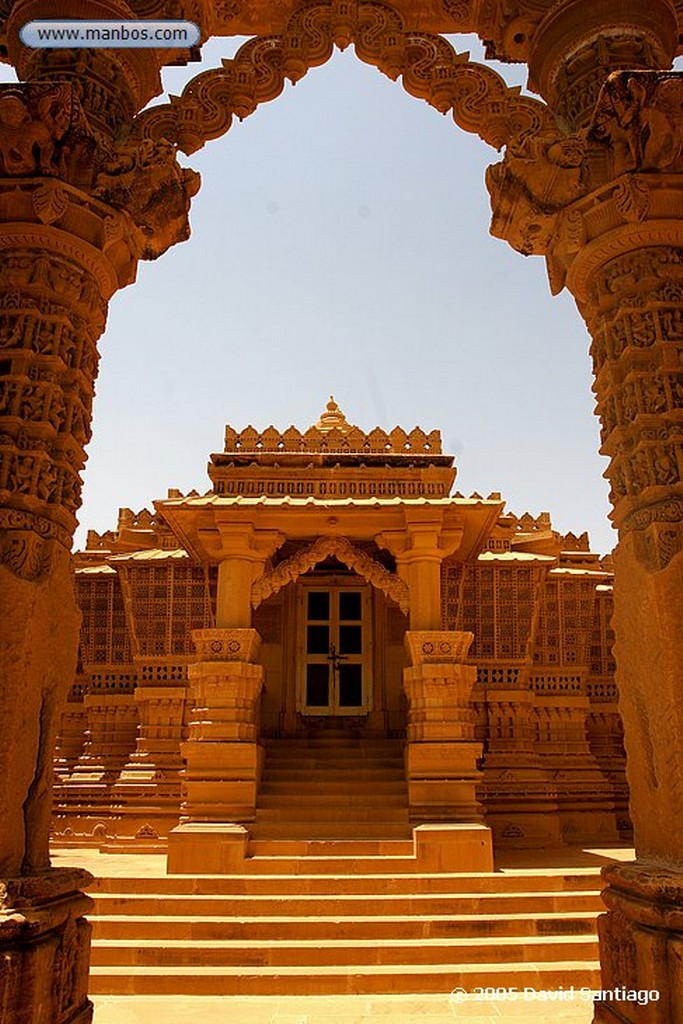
(579, 42)
(223, 755)
(641, 944)
(518, 793)
(87, 802)
(605, 206)
(45, 948)
(81, 200)
(606, 740)
(583, 794)
(441, 752)
(420, 549)
(148, 789)
(72, 729)
(628, 284)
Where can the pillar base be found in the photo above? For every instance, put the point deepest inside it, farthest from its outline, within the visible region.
(207, 848)
(641, 946)
(442, 781)
(447, 847)
(45, 948)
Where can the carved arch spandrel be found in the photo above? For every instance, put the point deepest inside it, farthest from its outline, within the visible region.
(480, 100)
(290, 570)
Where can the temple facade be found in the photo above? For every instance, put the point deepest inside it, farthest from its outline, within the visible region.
(331, 592)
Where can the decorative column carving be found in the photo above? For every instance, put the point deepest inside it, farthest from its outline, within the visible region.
(577, 44)
(441, 751)
(605, 206)
(45, 948)
(628, 285)
(223, 755)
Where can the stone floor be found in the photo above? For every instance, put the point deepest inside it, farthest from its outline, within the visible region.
(426, 1009)
(526, 1008)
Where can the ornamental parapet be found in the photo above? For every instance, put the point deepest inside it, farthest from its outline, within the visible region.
(338, 440)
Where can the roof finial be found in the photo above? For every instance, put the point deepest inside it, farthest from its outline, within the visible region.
(333, 418)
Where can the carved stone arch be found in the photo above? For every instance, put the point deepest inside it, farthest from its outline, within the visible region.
(372, 571)
(478, 97)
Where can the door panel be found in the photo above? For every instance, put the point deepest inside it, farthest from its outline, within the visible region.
(334, 649)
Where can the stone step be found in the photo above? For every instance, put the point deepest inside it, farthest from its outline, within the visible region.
(307, 810)
(333, 829)
(382, 789)
(337, 742)
(326, 775)
(336, 752)
(343, 866)
(346, 849)
(139, 927)
(333, 771)
(279, 953)
(356, 978)
(228, 885)
(346, 904)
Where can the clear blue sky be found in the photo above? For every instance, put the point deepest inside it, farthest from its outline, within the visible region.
(340, 245)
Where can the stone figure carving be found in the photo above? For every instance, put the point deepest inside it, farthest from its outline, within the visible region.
(145, 180)
(43, 132)
(639, 118)
(26, 146)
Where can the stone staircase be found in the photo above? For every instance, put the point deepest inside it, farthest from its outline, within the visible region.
(302, 933)
(331, 785)
(331, 901)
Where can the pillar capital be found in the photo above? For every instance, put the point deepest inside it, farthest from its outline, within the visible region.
(226, 644)
(443, 646)
(419, 550)
(233, 539)
(579, 42)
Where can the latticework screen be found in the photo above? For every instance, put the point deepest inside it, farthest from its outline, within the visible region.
(104, 632)
(495, 602)
(566, 621)
(168, 600)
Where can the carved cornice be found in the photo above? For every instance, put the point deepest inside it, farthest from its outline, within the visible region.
(351, 556)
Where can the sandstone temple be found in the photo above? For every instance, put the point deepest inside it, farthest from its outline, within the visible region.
(374, 607)
(330, 605)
